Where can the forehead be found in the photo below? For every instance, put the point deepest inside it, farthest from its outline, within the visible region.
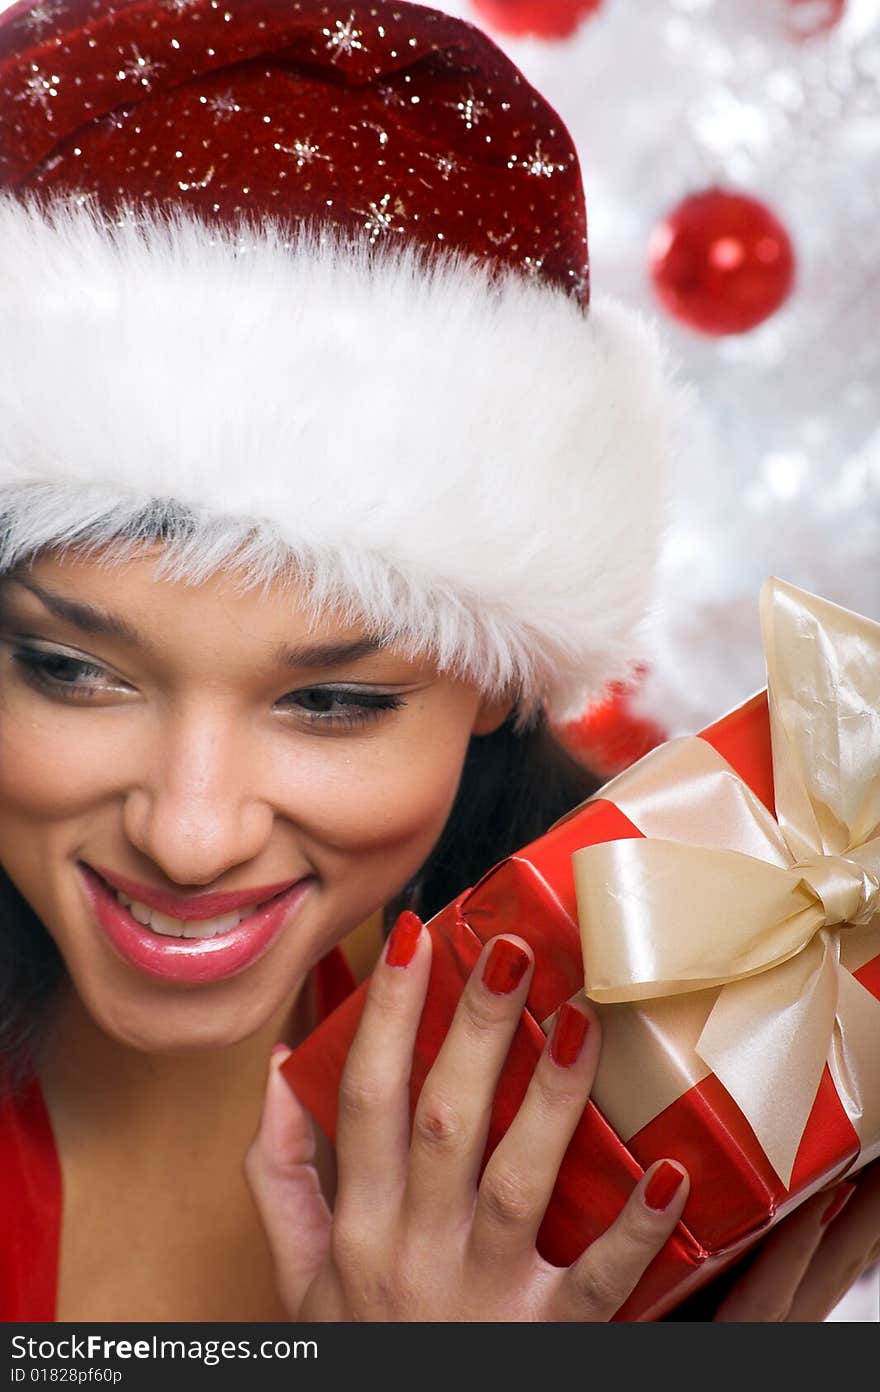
(126, 600)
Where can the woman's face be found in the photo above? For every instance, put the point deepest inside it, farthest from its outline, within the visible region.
(174, 743)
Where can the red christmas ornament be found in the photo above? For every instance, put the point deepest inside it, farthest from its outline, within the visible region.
(611, 736)
(721, 262)
(807, 18)
(545, 19)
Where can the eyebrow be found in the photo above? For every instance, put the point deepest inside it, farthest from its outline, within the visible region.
(91, 619)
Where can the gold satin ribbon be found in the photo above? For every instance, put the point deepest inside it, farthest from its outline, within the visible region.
(733, 937)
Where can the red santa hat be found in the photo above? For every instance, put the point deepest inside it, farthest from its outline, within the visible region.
(308, 284)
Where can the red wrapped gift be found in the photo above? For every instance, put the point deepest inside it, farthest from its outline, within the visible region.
(718, 902)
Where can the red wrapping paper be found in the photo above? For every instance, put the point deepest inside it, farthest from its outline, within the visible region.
(735, 1194)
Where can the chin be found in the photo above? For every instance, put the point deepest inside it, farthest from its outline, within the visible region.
(152, 1017)
(173, 1029)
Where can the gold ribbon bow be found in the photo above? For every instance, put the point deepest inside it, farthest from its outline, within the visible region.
(737, 934)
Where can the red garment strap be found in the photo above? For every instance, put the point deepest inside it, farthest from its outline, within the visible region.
(30, 1206)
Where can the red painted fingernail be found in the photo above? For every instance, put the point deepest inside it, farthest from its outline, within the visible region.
(505, 967)
(663, 1186)
(570, 1029)
(403, 939)
(842, 1195)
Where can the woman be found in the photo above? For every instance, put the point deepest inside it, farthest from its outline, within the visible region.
(321, 496)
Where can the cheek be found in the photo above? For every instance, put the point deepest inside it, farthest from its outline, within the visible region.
(49, 768)
(377, 812)
(378, 803)
(47, 782)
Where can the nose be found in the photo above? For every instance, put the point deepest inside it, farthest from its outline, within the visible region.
(195, 808)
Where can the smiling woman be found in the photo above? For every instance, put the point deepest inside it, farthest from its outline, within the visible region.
(324, 492)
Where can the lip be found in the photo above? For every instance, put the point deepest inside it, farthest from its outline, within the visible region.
(198, 906)
(190, 961)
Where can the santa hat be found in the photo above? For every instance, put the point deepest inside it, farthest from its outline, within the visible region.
(308, 285)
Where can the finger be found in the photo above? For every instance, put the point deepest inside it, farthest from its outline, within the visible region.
(280, 1171)
(451, 1120)
(764, 1294)
(603, 1278)
(518, 1180)
(850, 1244)
(372, 1140)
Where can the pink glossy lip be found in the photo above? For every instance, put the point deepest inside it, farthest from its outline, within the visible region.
(190, 961)
(197, 906)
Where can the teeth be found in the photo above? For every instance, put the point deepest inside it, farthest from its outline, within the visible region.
(176, 927)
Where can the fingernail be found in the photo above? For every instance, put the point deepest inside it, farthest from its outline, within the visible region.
(663, 1186)
(279, 1053)
(842, 1195)
(570, 1029)
(505, 967)
(403, 939)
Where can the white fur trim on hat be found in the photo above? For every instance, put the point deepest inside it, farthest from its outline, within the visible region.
(467, 463)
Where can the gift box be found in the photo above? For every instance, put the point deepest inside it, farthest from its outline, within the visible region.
(718, 904)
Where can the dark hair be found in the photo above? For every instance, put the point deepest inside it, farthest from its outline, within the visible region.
(513, 786)
(31, 971)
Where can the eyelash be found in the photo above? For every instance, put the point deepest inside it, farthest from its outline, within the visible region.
(363, 706)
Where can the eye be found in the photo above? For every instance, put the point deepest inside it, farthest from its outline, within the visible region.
(61, 675)
(341, 706)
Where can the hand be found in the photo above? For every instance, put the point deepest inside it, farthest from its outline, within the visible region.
(806, 1265)
(416, 1233)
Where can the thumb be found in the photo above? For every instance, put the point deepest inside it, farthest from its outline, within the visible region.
(280, 1171)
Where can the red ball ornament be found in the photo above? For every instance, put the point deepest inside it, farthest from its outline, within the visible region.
(721, 262)
(545, 19)
(807, 18)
